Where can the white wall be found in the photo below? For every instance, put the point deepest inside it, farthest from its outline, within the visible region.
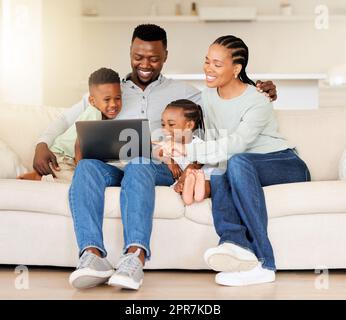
(274, 46)
(71, 48)
(62, 38)
(166, 7)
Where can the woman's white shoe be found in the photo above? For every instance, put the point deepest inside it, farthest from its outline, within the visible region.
(230, 258)
(236, 279)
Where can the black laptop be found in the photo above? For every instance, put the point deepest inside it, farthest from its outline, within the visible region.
(114, 140)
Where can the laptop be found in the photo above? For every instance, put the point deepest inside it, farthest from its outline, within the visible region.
(114, 140)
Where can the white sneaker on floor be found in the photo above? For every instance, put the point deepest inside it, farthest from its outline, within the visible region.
(236, 279)
(230, 258)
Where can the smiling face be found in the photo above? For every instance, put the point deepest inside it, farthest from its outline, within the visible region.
(106, 98)
(147, 60)
(175, 125)
(219, 68)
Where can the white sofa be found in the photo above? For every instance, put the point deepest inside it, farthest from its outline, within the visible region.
(307, 221)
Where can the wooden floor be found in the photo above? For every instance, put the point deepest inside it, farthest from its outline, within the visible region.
(52, 283)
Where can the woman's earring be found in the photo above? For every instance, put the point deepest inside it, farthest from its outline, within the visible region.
(235, 76)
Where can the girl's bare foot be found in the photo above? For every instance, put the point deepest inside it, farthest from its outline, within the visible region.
(189, 186)
(199, 186)
(30, 176)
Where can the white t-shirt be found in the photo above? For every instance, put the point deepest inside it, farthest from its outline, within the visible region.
(183, 161)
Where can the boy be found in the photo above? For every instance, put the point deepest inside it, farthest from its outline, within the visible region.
(105, 103)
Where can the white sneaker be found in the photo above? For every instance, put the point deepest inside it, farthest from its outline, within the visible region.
(230, 257)
(236, 279)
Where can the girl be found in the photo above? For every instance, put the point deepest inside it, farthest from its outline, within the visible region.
(241, 131)
(180, 120)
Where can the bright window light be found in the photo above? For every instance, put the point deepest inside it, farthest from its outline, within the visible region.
(21, 56)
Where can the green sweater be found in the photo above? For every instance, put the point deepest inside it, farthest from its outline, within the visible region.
(242, 124)
(65, 143)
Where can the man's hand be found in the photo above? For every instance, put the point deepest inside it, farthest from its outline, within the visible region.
(175, 169)
(42, 159)
(269, 88)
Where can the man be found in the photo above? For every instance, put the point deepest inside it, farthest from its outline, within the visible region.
(145, 94)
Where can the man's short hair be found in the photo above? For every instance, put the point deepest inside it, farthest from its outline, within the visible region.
(103, 76)
(150, 32)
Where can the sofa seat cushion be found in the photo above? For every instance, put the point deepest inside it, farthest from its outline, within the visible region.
(306, 198)
(52, 198)
(287, 200)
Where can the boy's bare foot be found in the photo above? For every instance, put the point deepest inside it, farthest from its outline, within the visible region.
(199, 186)
(30, 176)
(189, 186)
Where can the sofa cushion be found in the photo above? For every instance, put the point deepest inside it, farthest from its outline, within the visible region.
(21, 127)
(10, 164)
(306, 198)
(342, 166)
(200, 212)
(319, 136)
(52, 198)
(288, 200)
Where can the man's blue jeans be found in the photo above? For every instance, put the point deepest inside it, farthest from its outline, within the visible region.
(238, 203)
(137, 200)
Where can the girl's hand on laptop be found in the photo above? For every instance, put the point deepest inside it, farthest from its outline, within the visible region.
(172, 149)
(178, 149)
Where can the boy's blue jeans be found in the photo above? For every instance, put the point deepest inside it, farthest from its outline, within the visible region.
(137, 200)
(238, 203)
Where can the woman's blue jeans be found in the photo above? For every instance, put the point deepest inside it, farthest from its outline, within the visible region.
(238, 203)
(137, 200)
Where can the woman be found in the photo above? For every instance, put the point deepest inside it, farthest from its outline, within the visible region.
(241, 133)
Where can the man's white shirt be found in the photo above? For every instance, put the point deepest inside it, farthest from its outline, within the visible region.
(136, 104)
